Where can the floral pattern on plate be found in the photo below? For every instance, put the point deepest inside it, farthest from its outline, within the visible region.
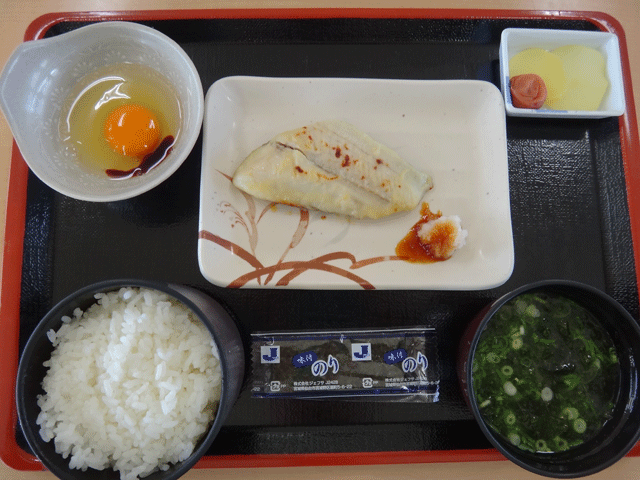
(453, 130)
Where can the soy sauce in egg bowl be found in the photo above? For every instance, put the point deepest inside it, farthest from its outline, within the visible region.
(107, 101)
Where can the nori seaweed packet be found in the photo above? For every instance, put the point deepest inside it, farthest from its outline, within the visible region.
(395, 364)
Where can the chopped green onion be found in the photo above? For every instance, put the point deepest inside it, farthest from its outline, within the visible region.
(579, 425)
(561, 443)
(507, 370)
(516, 343)
(571, 413)
(532, 311)
(541, 446)
(546, 394)
(514, 438)
(493, 357)
(510, 389)
(485, 403)
(510, 418)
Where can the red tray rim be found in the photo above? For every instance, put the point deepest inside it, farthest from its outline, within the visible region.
(15, 457)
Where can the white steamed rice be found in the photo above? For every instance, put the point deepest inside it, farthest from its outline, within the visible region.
(133, 384)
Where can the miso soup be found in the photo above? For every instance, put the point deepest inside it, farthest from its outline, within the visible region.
(545, 373)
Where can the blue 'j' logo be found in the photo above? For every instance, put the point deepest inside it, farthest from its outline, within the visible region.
(270, 354)
(360, 352)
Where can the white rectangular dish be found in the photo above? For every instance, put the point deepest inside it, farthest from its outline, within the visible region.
(515, 40)
(453, 130)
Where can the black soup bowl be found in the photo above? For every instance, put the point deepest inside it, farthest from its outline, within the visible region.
(39, 348)
(539, 408)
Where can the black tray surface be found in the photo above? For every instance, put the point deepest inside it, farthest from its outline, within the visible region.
(568, 203)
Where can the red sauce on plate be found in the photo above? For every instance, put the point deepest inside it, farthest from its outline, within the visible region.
(412, 249)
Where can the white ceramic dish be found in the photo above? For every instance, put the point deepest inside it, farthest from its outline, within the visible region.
(454, 130)
(514, 40)
(39, 76)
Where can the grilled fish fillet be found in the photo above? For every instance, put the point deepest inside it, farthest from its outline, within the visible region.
(333, 167)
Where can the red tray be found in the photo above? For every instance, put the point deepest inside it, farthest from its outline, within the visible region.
(16, 457)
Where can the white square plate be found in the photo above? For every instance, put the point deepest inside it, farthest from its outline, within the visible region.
(453, 130)
(514, 40)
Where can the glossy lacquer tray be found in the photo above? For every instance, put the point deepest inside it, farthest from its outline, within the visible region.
(574, 188)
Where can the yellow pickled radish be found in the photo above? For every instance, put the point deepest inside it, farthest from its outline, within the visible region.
(545, 64)
(586, 77)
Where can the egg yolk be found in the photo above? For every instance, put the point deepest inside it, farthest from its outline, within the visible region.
(132, 130)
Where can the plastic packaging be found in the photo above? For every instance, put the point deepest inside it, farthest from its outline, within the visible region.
(398, 364)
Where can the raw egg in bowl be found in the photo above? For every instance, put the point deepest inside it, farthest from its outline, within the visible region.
(104, 112)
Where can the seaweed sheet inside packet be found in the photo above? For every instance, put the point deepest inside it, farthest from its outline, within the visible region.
(397, 364)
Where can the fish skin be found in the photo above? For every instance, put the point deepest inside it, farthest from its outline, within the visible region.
(333, 167)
